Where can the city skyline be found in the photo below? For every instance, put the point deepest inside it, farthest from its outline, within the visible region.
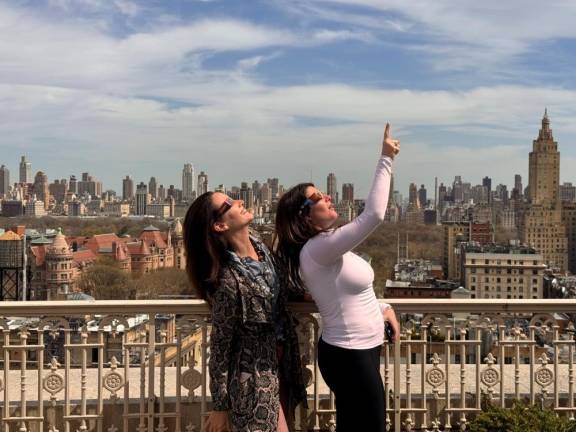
(284, 89)
(121, 189)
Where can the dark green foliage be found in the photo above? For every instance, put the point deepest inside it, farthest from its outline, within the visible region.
(521, 417)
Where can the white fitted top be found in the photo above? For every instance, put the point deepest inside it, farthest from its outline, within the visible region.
(340, 282)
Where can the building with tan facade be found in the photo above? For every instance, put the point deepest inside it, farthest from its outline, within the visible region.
(543, 225)
(459, 232)
(498, 272)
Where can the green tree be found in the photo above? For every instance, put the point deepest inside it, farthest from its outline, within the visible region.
(162, 283)
(521, 417)
(104, 282)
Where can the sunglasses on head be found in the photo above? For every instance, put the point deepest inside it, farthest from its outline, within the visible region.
(311, 200)
(226, 205)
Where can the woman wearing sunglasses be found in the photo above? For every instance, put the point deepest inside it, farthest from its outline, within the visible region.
(318, 256)
(254, 364)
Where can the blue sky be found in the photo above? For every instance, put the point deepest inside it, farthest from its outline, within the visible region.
(284, 88)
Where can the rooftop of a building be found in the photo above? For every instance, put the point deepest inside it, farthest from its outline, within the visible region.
(430, 283)
(514, 248)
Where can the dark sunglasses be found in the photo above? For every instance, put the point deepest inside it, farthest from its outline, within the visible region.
(226, 205)
(311, 200)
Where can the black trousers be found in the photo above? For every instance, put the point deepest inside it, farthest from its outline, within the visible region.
(354, 377)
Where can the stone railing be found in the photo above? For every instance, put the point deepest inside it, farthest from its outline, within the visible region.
(142, 365)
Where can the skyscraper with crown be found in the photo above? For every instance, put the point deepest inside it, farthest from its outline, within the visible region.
(541, 221)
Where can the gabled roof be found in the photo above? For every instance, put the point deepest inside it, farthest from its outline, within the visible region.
(138, 248)
(84, 255)
(102, 241)
(153, 238)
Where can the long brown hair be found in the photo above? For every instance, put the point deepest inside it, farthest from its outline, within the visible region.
(205, 250)
(293, 230)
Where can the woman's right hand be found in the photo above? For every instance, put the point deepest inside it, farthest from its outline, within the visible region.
(218, 421)
(390, 146)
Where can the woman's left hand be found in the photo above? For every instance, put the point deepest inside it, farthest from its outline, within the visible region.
(390, 316)
(390, 146)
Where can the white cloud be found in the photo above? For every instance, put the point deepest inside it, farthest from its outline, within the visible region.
(146, 102)
(458, 34)
(249, 63)
(243, 129)
(342, 35)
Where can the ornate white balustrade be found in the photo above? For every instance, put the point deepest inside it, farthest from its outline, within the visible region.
(112, 366)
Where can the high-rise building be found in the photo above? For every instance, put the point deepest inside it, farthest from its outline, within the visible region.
(174, 193)
(153, 188)
(246, 195)
(332, 187)
(58, 190)
(41, 189)
(422, 196)
(256, 190)
(142, 198)
(479, 194)
(393, 208)
(442, 197)
(127, 188)
(25, 171)
(161, 193)
(413, 196)
(202, 184)
(4, 181)
(457, 192)
(466, 192)
(273, 184)
(413, 214)
(459, 232)
(73, 184)
(348, 192)
(188, 183)
(567, 192)
(542, 226)
(544, 166)
(265, 194)
(502, 193)
(487, 183)
(518, 183)
(89, 185)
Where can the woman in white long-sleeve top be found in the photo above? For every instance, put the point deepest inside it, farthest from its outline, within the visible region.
(318, 257)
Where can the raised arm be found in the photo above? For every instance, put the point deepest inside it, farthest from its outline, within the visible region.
(326, 248)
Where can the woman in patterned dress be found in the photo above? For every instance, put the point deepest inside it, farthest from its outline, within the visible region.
(254, 365)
